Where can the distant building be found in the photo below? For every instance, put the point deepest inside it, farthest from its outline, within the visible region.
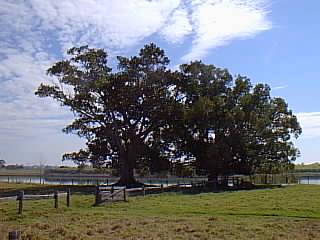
(2, 163)
(14, 166)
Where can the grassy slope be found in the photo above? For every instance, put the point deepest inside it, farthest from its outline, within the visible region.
(283, 213)
(20, 172)
(313, 166)
(18, 186)
(38, 171)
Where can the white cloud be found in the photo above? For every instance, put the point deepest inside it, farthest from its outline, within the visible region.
(280, 87)
(35, 33)
(217, 22)
(178, 26)
(113, 23)
(310, 124)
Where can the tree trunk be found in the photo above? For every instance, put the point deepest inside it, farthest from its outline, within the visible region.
(215, 184)
(126, 174)
(213, 181)
(127, 162)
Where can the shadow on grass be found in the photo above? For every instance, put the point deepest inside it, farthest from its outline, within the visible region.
(209, 188)
(205, 187)
(41, 189)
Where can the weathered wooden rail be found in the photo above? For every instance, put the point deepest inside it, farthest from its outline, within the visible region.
(110, 193)
(107, 193)
(15, 235)
(22, 197)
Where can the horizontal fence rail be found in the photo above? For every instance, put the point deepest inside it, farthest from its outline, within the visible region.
(21, 197)
(110, 193)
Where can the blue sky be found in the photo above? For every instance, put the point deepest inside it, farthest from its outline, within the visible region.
(270, 41)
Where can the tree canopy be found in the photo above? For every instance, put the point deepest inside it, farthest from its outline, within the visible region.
(232, 127)
(146, 115)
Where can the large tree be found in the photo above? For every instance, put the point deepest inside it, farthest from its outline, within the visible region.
(121, 114)
(144, 113)
(231, 127)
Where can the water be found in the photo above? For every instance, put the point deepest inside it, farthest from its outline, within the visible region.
(309, 180)
(66, 181)
(93, 180)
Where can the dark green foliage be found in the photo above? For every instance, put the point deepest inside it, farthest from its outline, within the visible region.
(231, 127)
(147, 116)
(119, 113)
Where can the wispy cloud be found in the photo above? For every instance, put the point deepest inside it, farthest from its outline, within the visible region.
(113, 23)
(280, 87)
(178, 26)
(122, 24)
(36, 33)
(310, 123)
(216, 23)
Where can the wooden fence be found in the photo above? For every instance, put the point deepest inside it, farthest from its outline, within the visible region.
(110, 193)
(22, 197)
(107, 193)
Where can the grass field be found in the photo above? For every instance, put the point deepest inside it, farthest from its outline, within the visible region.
(18, 186)
(37, 171)
(20, 172)
(291, 212)
(308, 167)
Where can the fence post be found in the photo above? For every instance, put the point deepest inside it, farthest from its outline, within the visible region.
(124, 194)
(98, 195)
(162, 189)
(112, 190)
(143, 190)
(68, 197)
(14, 235)
(20, 198)
(55, 199)
(192, 186)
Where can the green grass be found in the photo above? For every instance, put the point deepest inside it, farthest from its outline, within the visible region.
(37, 171)
(281, 213)
(20, 172)
(307, 167)
(20, 186)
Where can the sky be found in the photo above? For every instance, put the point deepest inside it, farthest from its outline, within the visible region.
(270, 41)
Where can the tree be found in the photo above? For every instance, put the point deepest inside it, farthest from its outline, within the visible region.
(121, 114)
(231, 127)
(147, 115)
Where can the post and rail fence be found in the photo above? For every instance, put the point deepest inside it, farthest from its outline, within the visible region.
(109, 193)
(22, 197)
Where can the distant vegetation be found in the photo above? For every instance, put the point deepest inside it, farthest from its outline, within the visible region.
(307, 167)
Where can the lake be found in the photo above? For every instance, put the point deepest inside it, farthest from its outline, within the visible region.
(309, 180)
(93, 180)
(109, 180)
